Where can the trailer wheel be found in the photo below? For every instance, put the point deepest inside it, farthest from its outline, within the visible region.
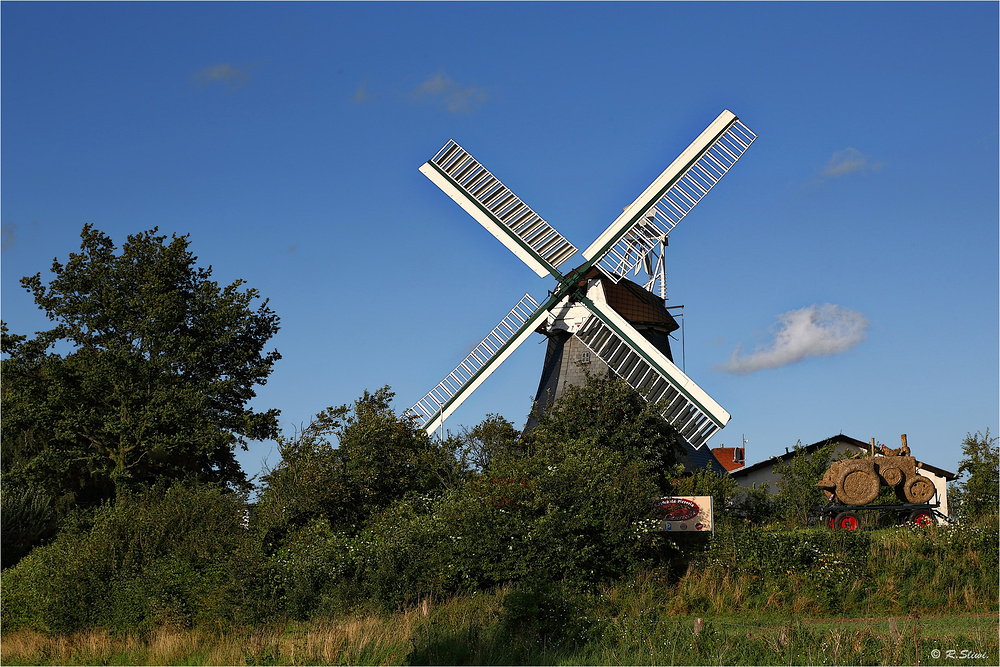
(921, 518)
(847, 521)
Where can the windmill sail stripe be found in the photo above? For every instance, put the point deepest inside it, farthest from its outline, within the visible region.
(498, 209)
(513, 329)
(686, 407)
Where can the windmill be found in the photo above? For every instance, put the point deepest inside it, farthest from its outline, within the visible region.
(581, 307)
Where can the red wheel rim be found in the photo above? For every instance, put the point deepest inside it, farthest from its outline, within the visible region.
(849, 523)
(922, 520)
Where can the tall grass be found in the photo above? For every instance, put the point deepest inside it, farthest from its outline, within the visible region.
(469, 630)
(351, 641)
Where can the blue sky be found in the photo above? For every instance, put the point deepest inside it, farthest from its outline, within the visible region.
(843, 278)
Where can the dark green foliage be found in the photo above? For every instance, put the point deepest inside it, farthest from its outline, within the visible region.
(976, 494)
(153, 369)
(555, 531)
(174, 556)
(609, 413)
(798, 496)
(754, 505)
(351, 472)
(27, 519)
(572, 501)
(349, 463)
(580, 517)
(479, 446)
(371, 502)
(707, 482)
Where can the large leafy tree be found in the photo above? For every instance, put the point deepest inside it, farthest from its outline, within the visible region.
(145, 375)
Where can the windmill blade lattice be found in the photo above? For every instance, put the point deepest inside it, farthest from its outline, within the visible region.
(499, 210)
(514, 329)
(643, 226)
(691, 411)
(671, 196)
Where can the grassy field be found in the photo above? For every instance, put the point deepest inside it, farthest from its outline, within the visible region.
(475, 630)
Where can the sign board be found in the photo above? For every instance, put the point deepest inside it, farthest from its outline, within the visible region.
(687, 514)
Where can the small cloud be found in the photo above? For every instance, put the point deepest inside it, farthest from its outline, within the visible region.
(8, 236)
(808, 332)
(361, 95)
(849, 161)
(442, 90)
(224, 74)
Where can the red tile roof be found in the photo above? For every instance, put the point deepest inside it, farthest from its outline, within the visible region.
(730, 458)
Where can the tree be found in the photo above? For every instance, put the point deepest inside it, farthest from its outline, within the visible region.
(797, 493)
(350, 462)
(28, 520)
(612, 415)
(478, 447)
(976, 492)
(145, 376)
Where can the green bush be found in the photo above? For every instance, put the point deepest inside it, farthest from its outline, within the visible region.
(165, 556)
(798, 496)
(570, 511)
(400, 517)
(609, 413)
(347, 465)
(27, 519)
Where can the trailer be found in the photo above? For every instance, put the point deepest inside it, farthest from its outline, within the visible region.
(838, 516)
(850, 485)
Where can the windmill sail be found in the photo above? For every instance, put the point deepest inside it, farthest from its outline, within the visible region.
(505, 337)
(499, 210)
(671, 196)
(623, 247)
(691, 411)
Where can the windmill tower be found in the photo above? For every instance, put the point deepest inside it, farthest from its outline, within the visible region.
(568, 359)
(592, 311)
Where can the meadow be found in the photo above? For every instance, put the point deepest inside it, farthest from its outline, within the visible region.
(898, 596)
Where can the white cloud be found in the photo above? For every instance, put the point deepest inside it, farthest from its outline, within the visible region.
(223, 73)
(849, 161)
(440, 89)
(807, 332)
